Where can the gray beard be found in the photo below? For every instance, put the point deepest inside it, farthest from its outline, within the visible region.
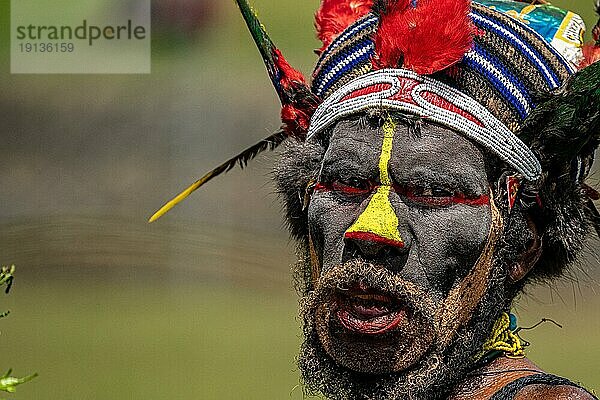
(432, 377)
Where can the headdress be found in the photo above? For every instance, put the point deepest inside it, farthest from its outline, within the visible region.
(506, 74)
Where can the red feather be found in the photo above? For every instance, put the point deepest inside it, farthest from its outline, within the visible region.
(290, 76)
(295, 120)
(336, 15)
(425, 39)
(297, 101)
(591, 55)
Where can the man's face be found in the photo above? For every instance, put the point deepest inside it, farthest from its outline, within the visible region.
(397, 221)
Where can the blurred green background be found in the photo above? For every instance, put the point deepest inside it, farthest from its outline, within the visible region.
(200, 304)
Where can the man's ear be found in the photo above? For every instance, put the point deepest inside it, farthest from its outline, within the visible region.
(529, 257)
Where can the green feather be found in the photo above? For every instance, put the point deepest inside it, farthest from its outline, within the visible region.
(260, 36)
(567, 122)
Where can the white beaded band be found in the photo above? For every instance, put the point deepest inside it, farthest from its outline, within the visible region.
(491, 133)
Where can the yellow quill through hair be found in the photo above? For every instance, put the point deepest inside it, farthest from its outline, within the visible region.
(241, 159)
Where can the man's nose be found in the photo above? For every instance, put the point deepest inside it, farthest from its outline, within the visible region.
(367, 248)
(372, 247)
(375, 234)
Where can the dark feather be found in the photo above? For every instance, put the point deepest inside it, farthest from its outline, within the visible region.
(596, 28)
(567, 124)
(564, 132)
(593, 215)
(241, 159)
(280, 72)
(380, 7)
(298, 102)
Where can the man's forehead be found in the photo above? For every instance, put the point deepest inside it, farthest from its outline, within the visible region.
(362, 134)
(430, 153)
(356, 130)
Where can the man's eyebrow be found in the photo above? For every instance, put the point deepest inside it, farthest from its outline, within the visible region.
(342, 165)
(463, 181)
(349, 154)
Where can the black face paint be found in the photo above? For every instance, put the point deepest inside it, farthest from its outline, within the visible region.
(434, 176)
(373, 311)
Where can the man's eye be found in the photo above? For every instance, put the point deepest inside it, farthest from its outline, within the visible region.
(431, 192)
(352, 185)
(429, 195)
(438, 196)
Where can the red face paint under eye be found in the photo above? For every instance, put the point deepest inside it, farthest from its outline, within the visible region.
(441, 201)
(342, 188)
(410, 193)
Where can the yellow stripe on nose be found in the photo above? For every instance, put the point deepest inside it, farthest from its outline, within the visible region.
(386, 151)
(379, 222)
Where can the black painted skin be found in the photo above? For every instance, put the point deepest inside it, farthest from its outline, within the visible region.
(442, 243)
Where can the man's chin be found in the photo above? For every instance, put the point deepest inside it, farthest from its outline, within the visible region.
(358, 366)
(372, 334)
(369, 334)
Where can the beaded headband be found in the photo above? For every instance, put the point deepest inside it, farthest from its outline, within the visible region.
(406, 91)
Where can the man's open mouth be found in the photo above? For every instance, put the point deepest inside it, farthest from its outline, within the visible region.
(370, 313)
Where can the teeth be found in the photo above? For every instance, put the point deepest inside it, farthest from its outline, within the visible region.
(371, 297)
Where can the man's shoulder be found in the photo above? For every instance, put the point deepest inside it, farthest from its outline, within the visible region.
(553, 392)
(519, 379)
